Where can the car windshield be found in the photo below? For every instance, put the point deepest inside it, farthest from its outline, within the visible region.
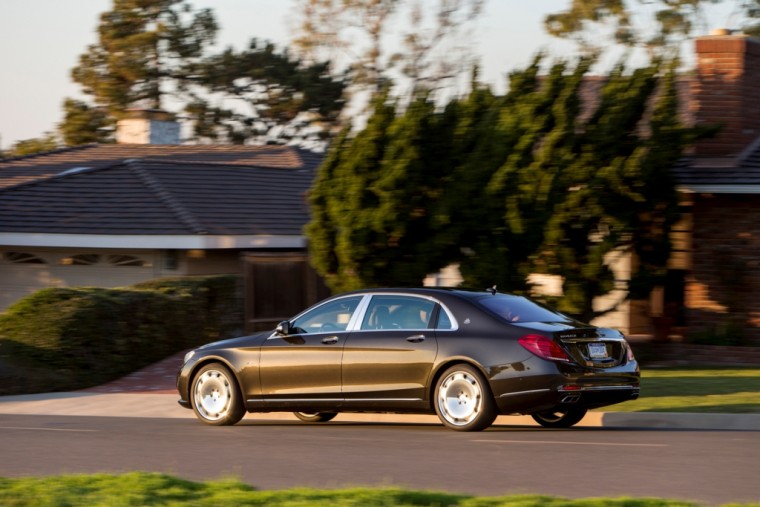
(520, 309)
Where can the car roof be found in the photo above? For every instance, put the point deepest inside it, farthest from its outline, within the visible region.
(458, 291)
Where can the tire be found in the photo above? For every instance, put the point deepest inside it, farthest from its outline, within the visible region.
(559, 418)
(315, 417)
(215, 396)
(463, 399)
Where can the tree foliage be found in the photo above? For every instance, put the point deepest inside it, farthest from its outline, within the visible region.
(275, 89)
(84, 124)
(549, 178)
(654, 24)
(47, 142)
(143, 45)
(352, 34)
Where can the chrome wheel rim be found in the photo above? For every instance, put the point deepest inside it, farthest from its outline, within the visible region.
(213, 395)
(460, 398)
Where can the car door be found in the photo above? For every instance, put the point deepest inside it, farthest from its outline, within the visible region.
(305, 364)
(387, 361)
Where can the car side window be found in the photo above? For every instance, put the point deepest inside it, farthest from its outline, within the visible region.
(444, 321)
(329, 317)
(398, 312)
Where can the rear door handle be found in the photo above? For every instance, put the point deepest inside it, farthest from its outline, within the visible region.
(330, 340)
(416, 338)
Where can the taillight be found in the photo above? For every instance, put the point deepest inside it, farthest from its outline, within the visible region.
(544, 347)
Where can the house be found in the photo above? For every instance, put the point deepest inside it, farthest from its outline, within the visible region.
(719, 266)
(114, 215)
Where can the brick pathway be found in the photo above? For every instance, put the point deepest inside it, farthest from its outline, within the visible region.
(157, 378)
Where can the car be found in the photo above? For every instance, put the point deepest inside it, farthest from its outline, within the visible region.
(465, 355)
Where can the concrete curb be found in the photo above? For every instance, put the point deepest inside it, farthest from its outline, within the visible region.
(163, 405)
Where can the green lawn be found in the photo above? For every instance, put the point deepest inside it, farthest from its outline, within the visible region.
(719, 390)
(148, 489)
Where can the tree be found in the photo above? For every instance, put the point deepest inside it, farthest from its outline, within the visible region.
(375, 203)
(351, 33)
(631, 22)
(344, 201)
(47, 142)
(144, 47)
(275, 89)
(536, 181)
(83, 124)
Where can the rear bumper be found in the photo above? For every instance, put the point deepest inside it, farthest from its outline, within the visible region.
(538, 400)
(566, 396)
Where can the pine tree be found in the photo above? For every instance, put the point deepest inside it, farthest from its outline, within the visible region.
(344, 238)
(143, 47)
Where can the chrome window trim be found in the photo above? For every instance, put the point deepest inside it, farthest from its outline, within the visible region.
(369, 296)
(331, 300)
(354, 323)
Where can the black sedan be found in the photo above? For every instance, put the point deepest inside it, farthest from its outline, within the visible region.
(467, 356)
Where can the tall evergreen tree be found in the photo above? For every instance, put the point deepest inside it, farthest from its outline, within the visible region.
(510, 210)
(585, 228)
(143, 48)
(344, 237)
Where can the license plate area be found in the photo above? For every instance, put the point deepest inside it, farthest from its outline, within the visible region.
(597, 351)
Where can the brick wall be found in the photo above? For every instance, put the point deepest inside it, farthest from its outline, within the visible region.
(726, 92)
(723, 287)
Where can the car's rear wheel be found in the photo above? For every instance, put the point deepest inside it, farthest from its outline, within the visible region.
(560, 418)
(215, 396)
(463, 400)
(315, 416)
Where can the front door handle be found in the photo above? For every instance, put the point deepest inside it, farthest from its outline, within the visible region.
(330, 340)
(416, 338)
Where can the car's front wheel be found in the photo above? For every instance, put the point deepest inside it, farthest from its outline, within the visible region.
(463, 400)
(215, 396)
(315, 416)
(560, 418)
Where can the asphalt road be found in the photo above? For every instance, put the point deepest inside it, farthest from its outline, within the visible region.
(707, 466)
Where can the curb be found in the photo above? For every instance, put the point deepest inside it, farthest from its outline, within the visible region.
(164, 405)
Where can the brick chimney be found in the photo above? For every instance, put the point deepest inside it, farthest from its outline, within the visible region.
(726, 92)
(147, 126)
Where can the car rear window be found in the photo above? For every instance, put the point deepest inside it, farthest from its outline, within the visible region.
(519, 309)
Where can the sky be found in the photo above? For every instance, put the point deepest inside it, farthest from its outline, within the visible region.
(41, 40)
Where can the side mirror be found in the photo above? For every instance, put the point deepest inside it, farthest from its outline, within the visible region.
(283, 328)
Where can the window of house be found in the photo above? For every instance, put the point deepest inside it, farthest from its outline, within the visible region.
(125, 260)
(81, 260)
(22, 258)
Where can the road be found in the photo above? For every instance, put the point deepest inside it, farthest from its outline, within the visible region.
(706, 466)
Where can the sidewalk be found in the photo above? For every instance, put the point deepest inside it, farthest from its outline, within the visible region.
(150, 392)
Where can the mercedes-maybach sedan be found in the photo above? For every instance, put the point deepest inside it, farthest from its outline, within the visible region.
(464, 355)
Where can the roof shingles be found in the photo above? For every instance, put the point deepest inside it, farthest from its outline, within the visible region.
(185, 192)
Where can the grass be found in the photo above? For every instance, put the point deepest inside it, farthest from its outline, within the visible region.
(150, 489)
(712, 390)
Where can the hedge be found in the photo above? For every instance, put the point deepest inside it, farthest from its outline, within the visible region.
(71, 338)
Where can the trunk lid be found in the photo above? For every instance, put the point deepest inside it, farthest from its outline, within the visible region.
(586, 345)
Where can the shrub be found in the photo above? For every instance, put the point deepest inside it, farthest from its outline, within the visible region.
(78, 337)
